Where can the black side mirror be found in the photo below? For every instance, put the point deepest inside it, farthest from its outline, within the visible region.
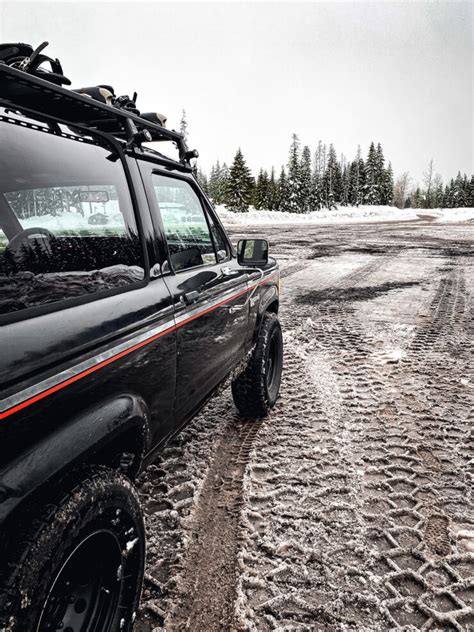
(252, 252)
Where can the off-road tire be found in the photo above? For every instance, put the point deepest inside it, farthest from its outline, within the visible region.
(254, 395)
(97, 516)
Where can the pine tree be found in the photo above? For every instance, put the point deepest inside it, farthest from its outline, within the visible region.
(223, 180)
(386, 196)
(447, 199)
(459, 198)
(357, 180)
(240, 185)
(337, 182)
(272, 203)
(183, 126)
(417, 198)
(282, 197)
(213, 180)
(467, 190)
(331, 179)
(371, 189)
(202, 180)
(305, 177)
(218, 183)
(294, 188)
(380, 177)
(471, 192)
(345, 181)
(261, 191)
(317, 179)
(438, 195)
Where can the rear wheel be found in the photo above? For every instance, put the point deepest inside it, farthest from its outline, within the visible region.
(256, 390)
(79, 566)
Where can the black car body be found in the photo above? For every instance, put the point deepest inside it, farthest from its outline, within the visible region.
(129, 364)
(123, 305)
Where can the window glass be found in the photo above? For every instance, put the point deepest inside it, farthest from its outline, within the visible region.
(67, 227)
(186, 229)
(219, 239)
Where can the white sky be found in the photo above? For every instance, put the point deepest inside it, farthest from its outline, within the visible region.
(251, 74)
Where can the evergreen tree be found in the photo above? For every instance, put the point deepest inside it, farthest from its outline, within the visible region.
(202, 180)
(337, 182)
(386, 188)
(417, 200)
(331, 180)
(467, 190)
(345, 181)
(272, 203)
(317, 179)
(459, 198)
(218, 183)
(213, 180)
(183, 126)
(239, 185)
(380, 173)
(294, 188)
(357, 180)
(305, 177)
(261, 196)
(223, 180)
(282, 196)
(471, 192)
(448, 195)
(438, 194)
(371, 189)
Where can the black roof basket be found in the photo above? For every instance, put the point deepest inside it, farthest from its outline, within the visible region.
(18, 89)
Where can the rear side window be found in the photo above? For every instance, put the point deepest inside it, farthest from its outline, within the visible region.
(187, 232)
(67, 227)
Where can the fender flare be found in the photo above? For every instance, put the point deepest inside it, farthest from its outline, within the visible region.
(73, 443)
(269, 297)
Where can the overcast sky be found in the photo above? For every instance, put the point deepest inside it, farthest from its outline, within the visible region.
(251, 74)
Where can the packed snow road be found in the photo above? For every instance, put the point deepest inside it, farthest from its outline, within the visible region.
(350, 508)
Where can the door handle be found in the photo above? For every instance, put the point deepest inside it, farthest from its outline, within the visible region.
(189, 297)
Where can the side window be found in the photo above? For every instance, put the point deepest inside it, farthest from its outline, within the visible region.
(186, 228)
(219, 240)
(67, 227)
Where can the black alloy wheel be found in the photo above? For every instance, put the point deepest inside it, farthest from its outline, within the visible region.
(256, 390)
(79, 559)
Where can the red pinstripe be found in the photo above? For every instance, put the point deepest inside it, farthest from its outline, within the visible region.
(100, 365)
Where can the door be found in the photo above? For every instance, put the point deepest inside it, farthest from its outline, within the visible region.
(208, 287)
(84, 326)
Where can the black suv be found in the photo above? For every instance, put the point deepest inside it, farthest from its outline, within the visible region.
(123, 307)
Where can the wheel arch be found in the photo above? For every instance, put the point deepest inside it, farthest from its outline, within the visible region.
(115, 434)
(269, 302)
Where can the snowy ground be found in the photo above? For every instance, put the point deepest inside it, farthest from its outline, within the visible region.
(351, 507)
(347, 214)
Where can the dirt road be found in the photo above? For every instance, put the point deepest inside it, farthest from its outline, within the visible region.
(351, 507)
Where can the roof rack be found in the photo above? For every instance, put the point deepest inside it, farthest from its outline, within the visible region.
(20, 89)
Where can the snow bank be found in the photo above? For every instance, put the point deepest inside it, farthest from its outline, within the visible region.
(69, 221)
(345, 214)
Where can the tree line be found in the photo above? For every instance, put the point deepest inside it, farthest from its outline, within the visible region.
(320, 179)
(458, 192)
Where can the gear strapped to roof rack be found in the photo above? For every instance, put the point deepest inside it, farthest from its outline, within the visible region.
(25, 84)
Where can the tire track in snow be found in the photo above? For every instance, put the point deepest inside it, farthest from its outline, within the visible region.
(206, 588)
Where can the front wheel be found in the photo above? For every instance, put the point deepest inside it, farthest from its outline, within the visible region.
(256, 390)
(78, 566)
